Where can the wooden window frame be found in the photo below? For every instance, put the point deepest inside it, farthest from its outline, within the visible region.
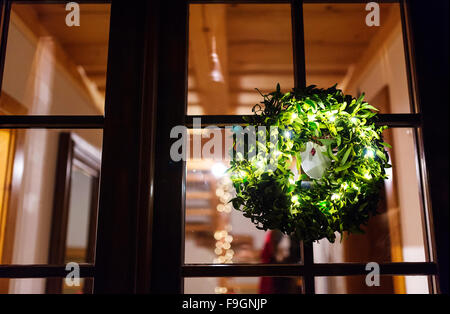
(24, 122)
(141, 213)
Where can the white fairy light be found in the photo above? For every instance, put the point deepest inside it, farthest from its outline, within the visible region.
(335, 197)
(369, 153)
(287, 134)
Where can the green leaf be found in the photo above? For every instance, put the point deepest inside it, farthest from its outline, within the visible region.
(381, 155)
(311, 103)
(347, 153)
(361, 98)
(342, 168)
(299, 161)
(330, 154)
(304, 177)
(327, 142)
(339, 140)
(367, 106)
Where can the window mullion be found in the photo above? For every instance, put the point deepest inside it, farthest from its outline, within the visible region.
(43, 271)
(299, 270)
(51, 122)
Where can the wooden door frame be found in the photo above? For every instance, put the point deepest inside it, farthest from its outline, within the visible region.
(139, 247)
(140, 228)
(146, 96)
(428, 25)
(124, 241)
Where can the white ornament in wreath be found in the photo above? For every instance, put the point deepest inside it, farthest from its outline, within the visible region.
(314, 161)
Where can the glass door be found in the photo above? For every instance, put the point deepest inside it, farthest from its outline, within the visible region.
(231, 49)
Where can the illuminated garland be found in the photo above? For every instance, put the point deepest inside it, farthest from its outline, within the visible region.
(312, 121)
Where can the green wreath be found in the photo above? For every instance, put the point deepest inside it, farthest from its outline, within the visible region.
(341, 190)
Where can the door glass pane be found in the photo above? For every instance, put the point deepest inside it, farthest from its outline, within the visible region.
(357, 285)
(85, 286)
(79, 240)
(215, 231)
(342, 49)
(29, 193)
(52, 68)
(233, 49)
(396, 234)
(243, 285)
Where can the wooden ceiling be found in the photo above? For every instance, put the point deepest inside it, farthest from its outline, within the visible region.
(85, 46)
(336, 36)
(234, 48)
(254, 48)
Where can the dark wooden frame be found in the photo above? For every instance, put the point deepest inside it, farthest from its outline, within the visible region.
(309, 270)
(72, 152)
(147, 68)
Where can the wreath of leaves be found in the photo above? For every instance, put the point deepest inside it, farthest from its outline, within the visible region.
(345, 197)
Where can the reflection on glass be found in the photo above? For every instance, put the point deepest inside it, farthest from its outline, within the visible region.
(80, 239)
(233, 49)
(54, 69)
(243, 285)
(80, 207)
(357, 285)
(342, 49)
(396, 234)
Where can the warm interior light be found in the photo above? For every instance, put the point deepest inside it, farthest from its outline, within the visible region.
(218, 170)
